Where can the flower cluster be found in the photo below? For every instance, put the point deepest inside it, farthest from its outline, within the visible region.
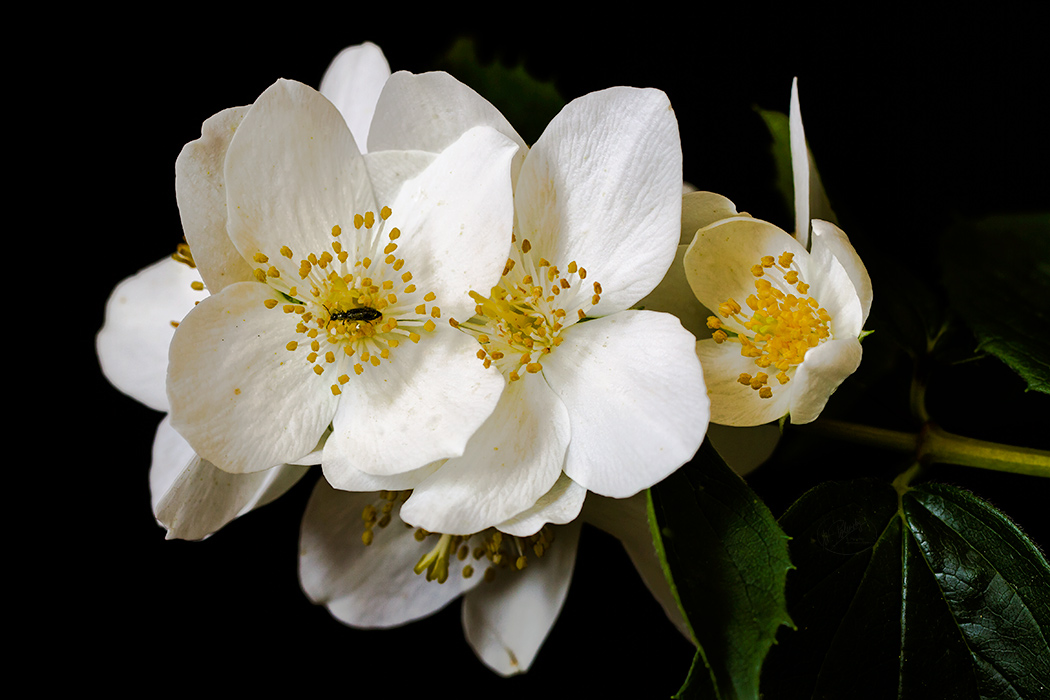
(383, 279)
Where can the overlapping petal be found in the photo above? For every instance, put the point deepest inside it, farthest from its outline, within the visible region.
(602, 186)
(635, 396)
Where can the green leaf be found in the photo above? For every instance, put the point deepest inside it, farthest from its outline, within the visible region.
(930, 593)
(527, 103)
(727, 562)
(779, 129)
(997, 273)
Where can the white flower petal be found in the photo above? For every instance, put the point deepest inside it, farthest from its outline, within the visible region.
(799, 167)
(733, 403)
(389, 170)
(235, 393)
(141, 312)
(292, 173)
(428, 112)
(558, 506)
(456, 220)
(353, 81)
(636, 400)
(603, 187)
(421, 406)
(825, 367)
(192, 498)
(829, 240)
(506, 621)
(832, 287)
(510, 462)
(719, 260)
(367, 586)
(700, 209)
(201, 194)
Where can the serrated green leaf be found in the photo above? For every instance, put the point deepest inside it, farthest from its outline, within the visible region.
(928, 594)
(997, 273)
(527, 103)
(727, 561)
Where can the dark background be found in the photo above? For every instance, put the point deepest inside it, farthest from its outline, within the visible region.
(912, 118)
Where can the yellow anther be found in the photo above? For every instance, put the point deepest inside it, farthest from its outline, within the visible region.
(786, 258)
(757, 270)
(286, 251)
(384, 213)
(270, 303)
(765, 393)
(767, 261)
(744, 378)
(526, 246)
(370, 219)
(429, 326)
(318, 370)
(197, 285)
(292, 345)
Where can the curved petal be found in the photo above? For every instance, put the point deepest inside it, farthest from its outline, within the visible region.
(626, 519)
(141, 315)
(456, 220)
(832, 287)
(635, 395)
(603, 187)
(558, 506)
(719, 260)
(825, 367)
(237, 395)
(428, 112)
(512, 460)
(830, 241)
(799, 167)
(353, 82)
(421, 406)
(674, 296)
(733, 403)
(506, 621)
(292, 172)
(367, 586)
(201, 195)
(192, 498)
(700, 209)
(389, 170)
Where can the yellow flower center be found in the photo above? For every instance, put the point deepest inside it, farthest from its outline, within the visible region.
(783, 326)
(521, 320)
(355, 303)
(491, 548)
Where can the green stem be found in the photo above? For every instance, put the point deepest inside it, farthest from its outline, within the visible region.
(933, 445)
(943, 447)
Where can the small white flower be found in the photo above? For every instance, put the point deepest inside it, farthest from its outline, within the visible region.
(330, 315)
(788, 321)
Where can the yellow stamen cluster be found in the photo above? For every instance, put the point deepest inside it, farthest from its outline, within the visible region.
(520, 322)
(782, 328)
(355, 303)
(501, 551)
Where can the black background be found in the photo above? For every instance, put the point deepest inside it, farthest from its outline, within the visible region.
(913, 119)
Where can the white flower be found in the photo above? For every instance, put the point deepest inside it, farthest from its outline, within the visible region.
(506, 615)
(789, 319)
(330, 317)
(611, 405)
(513, 588)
